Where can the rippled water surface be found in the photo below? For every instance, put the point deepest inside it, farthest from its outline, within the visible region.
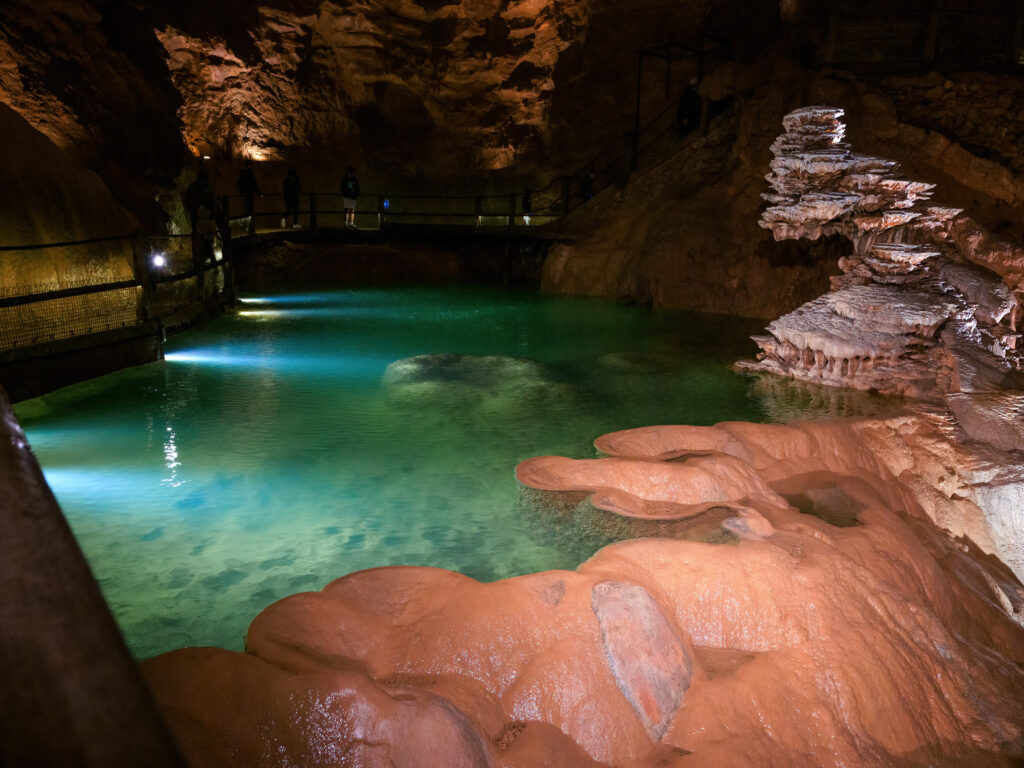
(270, 454)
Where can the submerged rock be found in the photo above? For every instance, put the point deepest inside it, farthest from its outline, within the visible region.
(489, 382)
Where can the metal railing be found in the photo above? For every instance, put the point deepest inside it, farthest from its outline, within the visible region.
(168, 273)
(611, 166)
(171, 273)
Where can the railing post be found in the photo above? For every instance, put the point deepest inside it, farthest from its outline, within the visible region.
(312, 210)
(140, 258)
(931, 35)
(478, 208)
(227, 262)
(251, 205)
(512, 209)
(198, 247)
(381, 210)
(565, 194)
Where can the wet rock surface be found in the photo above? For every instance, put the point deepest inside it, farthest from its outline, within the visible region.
(650, 663)
(888, 641)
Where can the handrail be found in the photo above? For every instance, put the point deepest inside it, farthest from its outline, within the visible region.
(32, 298)
(64, 244)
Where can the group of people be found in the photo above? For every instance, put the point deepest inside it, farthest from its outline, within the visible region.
(291, 188)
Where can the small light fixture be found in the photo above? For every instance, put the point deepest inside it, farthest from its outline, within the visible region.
(159, 260)
(206, 157)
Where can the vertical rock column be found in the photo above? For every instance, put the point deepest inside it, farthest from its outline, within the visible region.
(909, 315)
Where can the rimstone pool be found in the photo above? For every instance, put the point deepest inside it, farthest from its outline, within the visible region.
(312, 435)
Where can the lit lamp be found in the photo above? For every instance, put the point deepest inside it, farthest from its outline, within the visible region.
(158, 260)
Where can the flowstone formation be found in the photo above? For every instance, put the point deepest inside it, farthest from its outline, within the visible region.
(927, 303)
(791, 642)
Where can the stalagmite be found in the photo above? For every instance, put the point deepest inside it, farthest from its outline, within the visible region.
(906, 287)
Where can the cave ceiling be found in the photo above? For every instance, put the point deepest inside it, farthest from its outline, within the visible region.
(416, 86)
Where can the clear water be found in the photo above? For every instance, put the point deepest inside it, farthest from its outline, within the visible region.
(268, 456)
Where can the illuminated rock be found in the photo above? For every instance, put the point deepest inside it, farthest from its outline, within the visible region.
(798, 642)
(446, 85)
(911, 314)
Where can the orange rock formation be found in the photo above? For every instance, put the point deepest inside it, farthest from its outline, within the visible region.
(791, 642)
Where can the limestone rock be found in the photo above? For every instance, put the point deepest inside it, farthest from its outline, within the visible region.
(911, 314)
(801, 642)
(651, 664)
(995, 417)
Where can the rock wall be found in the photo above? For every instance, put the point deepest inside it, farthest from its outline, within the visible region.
(682, 234)
(684, 230)
(46, 197)
(413, 92)
(91, 77)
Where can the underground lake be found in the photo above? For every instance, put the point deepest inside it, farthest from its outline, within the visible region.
(309, 435)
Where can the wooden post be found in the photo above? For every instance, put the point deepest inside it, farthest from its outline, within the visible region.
(312, 210)
(512, 209)
(478, 208)
(252, 215)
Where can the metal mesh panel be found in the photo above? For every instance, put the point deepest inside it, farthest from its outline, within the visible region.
(66, 317)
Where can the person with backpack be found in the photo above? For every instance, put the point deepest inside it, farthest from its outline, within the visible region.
(349, 193)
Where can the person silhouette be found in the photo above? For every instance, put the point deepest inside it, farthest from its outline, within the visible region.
(291, 187)
(247, 186)
(199, 194)
(587, 185)
(688, 116)
(349, 193)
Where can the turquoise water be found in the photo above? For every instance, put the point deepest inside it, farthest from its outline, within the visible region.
(274, 451)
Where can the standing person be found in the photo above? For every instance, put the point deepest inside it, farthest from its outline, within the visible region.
(587, 185)
(291, 187)
(688, 116)
(199, 194)
(247, 186)
(527, 206)
(349, 193)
